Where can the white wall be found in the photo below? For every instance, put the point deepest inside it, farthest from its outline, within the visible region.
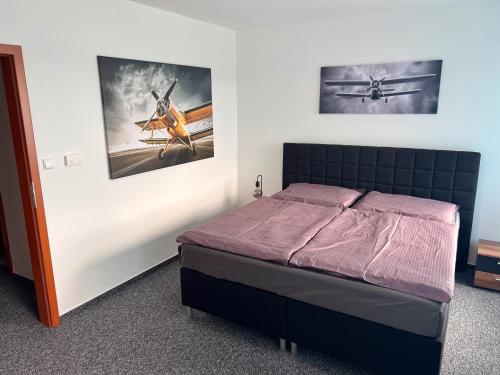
(278, 92)
(11, 194)
(101, 231)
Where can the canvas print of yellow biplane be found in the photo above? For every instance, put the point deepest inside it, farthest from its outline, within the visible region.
(156, 115)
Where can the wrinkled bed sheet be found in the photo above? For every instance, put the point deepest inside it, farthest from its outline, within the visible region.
(412, 255)
(267, 229)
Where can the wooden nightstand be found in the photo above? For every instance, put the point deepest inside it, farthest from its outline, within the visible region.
(488, 265)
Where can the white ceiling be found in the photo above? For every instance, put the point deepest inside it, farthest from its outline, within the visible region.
(242, 14)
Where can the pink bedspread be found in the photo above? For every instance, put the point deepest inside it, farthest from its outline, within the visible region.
(268, 229)
(419, 259)
(412, 255)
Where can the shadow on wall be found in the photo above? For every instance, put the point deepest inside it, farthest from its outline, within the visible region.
(108, 271)
(146, 239)
(267, 158)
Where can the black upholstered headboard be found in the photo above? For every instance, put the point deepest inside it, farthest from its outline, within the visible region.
(449, 176)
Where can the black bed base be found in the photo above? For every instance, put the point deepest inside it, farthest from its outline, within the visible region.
(236, 302)
(384, 349)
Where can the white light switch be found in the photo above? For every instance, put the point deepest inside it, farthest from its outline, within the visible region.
(48, 163)
(73, 160)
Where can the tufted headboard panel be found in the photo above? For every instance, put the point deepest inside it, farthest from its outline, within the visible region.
(449, 176)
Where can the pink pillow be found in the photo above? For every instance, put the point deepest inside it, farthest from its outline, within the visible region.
(322, 195)
(409, 206)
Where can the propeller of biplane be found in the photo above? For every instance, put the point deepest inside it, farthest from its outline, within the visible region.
(162, 104)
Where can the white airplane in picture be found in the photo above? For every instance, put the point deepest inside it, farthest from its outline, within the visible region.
(376, 89)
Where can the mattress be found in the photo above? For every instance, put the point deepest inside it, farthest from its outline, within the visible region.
(349, 296)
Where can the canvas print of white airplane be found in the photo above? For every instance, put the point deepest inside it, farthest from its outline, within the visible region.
(408, 87)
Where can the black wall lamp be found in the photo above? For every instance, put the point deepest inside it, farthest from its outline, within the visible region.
(258, 187)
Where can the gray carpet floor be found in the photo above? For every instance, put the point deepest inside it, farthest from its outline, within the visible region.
(142, 328)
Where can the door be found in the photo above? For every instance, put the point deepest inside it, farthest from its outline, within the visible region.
(29, 181)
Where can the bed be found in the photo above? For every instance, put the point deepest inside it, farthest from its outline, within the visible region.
(385, 329)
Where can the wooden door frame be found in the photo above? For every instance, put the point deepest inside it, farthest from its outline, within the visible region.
(11, 58)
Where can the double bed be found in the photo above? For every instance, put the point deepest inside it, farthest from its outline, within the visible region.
(280, 265)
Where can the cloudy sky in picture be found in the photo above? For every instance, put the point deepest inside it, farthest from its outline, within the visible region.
(126, 95)
(425, 101)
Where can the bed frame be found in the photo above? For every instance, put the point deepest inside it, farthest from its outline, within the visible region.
(449, 176)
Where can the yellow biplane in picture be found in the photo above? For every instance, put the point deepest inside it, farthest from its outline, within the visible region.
(167, 116)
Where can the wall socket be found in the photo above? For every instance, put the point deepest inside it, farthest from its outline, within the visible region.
(73, 160)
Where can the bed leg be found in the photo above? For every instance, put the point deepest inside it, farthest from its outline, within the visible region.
(282, 345)
(293, 348)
